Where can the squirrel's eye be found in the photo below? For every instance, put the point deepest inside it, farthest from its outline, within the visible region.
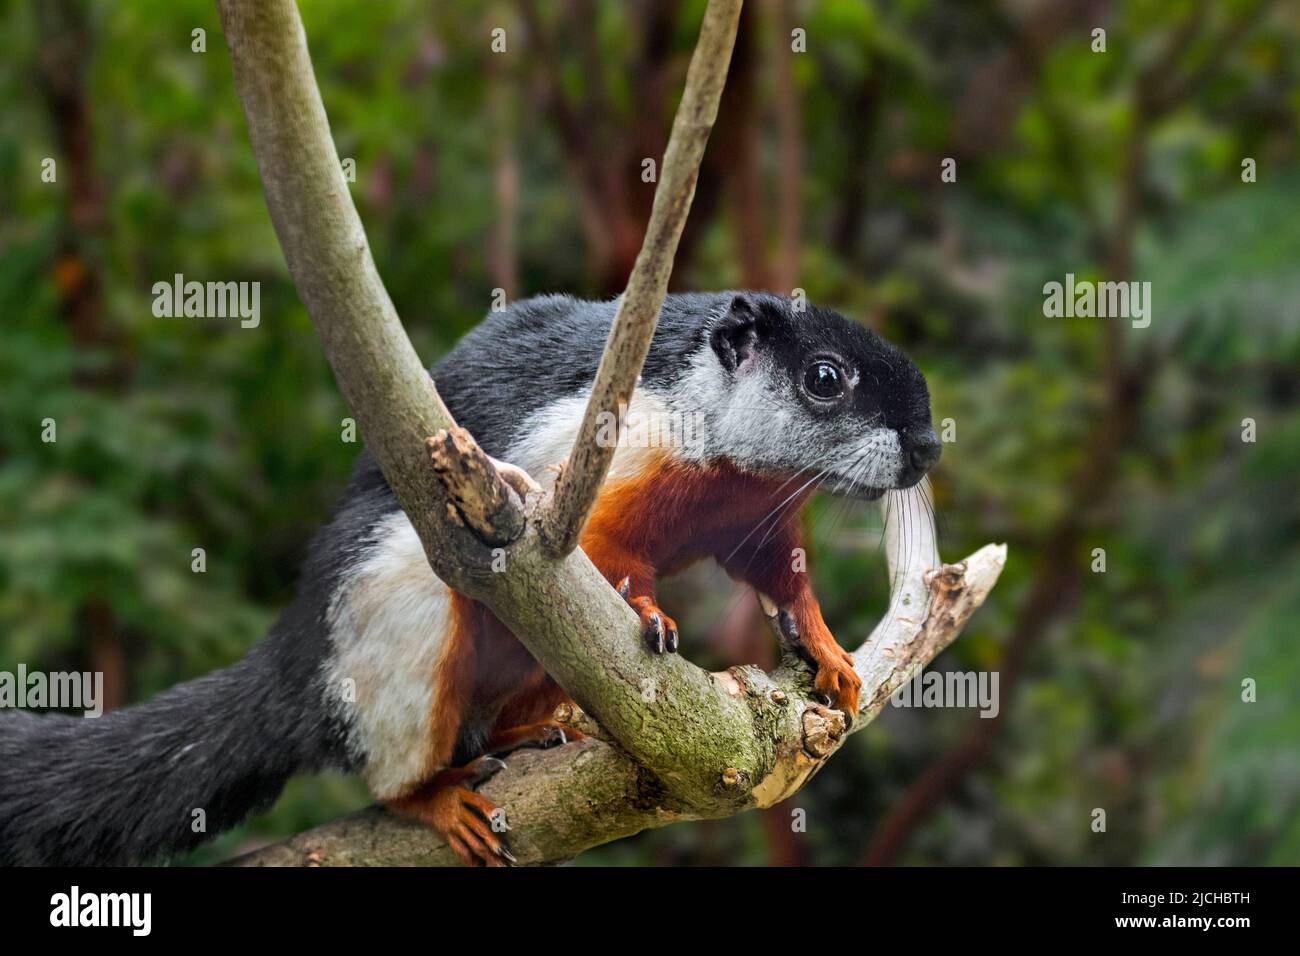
(823, 380)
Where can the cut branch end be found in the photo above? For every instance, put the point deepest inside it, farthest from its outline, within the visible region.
(487, 498)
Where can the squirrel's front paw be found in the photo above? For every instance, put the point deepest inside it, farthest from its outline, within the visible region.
(837, 681)
(657, 629)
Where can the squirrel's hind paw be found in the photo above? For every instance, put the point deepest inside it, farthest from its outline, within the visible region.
(473, 826)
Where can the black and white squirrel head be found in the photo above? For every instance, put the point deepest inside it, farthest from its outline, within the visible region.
(784, 390)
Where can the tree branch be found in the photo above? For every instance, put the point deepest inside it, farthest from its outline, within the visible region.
(638, 309)
(325, 247)
(684, 744)
(567, 800)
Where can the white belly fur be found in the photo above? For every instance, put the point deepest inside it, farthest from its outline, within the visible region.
(388, 624)
(389, 621)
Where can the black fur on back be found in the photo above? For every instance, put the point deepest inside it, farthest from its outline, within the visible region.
(123, 788)
(547, 348)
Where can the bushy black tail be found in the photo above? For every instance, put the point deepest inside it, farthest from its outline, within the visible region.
(125, 787)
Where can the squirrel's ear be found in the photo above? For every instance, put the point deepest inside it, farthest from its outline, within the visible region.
(735, 335)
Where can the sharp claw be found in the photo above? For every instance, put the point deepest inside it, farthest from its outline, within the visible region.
(625, 588)
(671, 642)
(507, 855)
(655, 633)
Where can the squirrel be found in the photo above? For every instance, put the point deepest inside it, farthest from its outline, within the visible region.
(784, 398)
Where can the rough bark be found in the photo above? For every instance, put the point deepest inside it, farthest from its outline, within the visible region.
(564, 801)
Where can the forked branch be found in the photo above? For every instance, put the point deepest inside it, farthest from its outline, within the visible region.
(685, 744)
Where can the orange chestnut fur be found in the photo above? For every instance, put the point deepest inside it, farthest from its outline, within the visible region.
(652, 524)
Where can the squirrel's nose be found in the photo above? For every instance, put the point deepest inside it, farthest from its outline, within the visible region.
(924, 450)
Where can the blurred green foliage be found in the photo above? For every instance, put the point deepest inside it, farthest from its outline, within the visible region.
(175, 434)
